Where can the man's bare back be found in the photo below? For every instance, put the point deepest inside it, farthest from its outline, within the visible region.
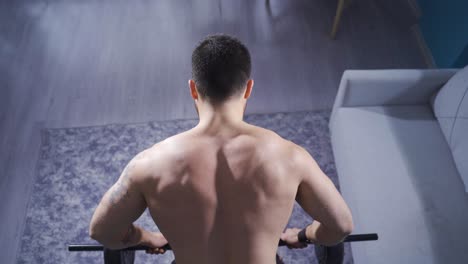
(224, 197)
(221, 195)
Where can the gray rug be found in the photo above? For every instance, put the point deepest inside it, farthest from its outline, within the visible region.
(77, 165)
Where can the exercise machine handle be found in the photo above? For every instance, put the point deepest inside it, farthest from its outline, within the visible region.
(78, 247)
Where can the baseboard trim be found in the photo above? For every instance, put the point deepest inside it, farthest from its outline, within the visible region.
(425, 51)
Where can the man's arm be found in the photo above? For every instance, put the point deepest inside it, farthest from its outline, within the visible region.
(112, 222)
(321, 200)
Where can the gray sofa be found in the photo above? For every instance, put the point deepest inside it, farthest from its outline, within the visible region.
(400, 141)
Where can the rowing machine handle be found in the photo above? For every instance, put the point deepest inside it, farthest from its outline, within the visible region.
(350, 238)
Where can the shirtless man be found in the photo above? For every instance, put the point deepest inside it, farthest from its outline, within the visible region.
(223, 191)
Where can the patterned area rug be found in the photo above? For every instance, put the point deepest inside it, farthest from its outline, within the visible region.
(77, 165)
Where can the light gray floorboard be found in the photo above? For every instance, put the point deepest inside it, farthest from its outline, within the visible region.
(82, 63)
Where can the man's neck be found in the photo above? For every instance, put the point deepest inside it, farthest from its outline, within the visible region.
(219, 121)
(227, 115)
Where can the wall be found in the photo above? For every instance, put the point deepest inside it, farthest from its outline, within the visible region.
(444, 25)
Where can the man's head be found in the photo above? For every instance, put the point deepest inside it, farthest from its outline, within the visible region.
(220, 70)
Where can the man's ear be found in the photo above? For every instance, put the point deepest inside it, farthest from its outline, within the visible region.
(248, 90)
(193, 89)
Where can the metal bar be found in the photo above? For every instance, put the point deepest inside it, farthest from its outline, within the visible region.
(77, 247)
(361, 237)
(350, 238)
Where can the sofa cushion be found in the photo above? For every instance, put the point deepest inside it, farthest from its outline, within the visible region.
(398, 176)
(451, 109)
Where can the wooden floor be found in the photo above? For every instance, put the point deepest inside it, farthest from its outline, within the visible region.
(82, 63)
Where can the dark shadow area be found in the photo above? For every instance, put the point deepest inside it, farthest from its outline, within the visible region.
(462, 59)
(398, 12)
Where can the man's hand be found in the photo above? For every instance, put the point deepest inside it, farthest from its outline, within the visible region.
(290, 238)
(155, 241)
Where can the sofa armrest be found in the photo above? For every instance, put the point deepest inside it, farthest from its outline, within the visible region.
(389, 87)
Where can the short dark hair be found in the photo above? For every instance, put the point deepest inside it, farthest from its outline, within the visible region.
(220, 67)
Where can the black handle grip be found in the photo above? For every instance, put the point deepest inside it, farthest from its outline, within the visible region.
(361, 237)
(78, 247)
(350, 238)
